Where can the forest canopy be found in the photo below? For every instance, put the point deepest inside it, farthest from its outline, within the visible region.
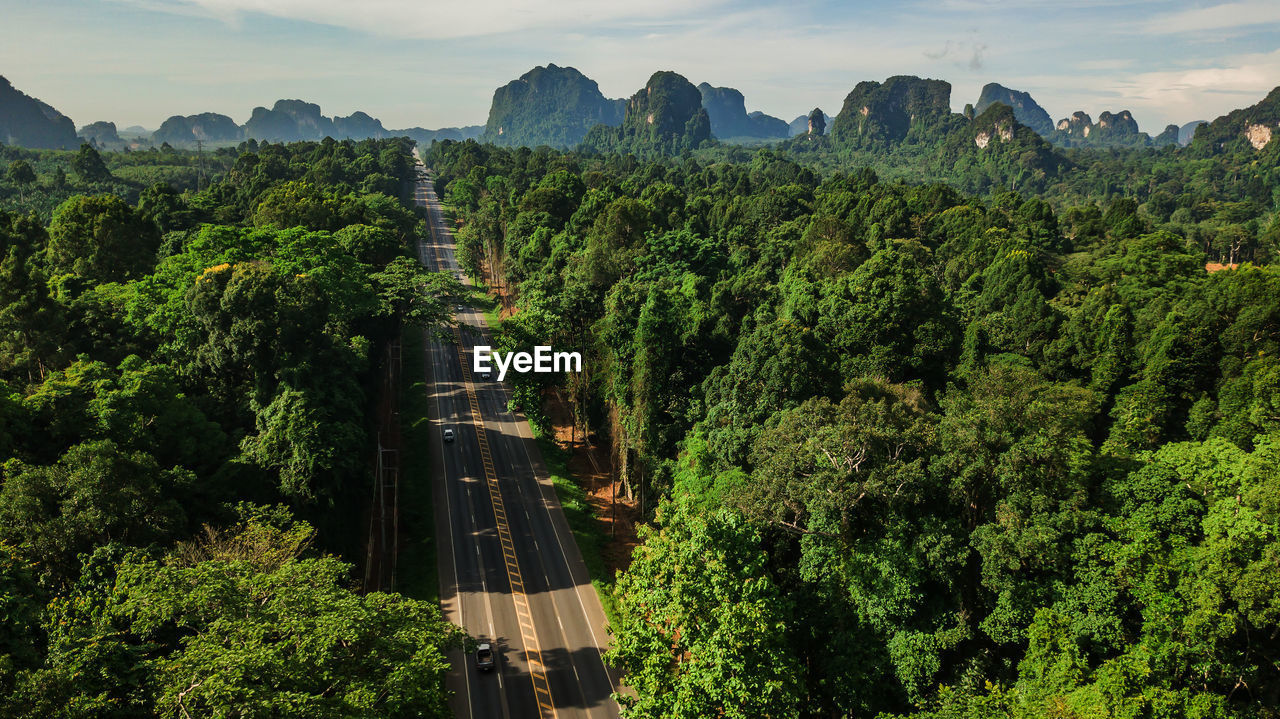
(187, 375)
(925, 416)
(913, 451)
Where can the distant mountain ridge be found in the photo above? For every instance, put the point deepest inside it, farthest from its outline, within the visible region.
(1113, 129)
(768, 125)
(28, 122)
(100, 133)
(292, 121)
(1118, 129)
(205, 127)
(358, 125)
(559, 106)
(1082, 126)
(423, 136)
(910, 117)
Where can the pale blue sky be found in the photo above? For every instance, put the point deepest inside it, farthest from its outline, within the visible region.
(432, 64)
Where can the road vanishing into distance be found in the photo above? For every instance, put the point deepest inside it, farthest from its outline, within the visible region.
(510, 571)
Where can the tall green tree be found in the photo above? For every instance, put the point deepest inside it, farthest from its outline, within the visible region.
(100, 239)
(95, 493)
(239, 621)
(702, 628)
(30, 321)
(89, 166)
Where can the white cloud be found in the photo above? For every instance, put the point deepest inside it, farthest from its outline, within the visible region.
(782, 70)
(439, 19)
(1246, 14)
(429, 63)
(1204, 93)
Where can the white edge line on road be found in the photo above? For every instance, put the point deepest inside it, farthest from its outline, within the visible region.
(431, 348)
(543, 487)
(502, 701)
(521, 427)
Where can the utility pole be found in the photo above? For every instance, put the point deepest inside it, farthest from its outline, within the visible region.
(200, 154)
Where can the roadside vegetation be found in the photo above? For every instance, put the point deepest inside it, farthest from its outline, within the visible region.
(416, 566)
(906, 451)
(187, 384)
(588, 532)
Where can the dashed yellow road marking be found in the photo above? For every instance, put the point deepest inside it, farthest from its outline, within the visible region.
(533, 654)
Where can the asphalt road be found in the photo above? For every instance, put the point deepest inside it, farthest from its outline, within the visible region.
(510, 571)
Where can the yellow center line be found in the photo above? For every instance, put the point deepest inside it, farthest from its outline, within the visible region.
(533, 654)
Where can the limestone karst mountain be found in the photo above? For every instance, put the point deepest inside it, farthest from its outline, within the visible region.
(664, 116)
(1187, 131)
(549, 105)
(100, 133)
(800, 125)
(1113, 129)
(727, 111)
(28, 122)
(209, 127)
(1253, 127)
(1025, 108)
(879, 114)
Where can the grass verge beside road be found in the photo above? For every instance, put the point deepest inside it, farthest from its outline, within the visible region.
(587, 531)
(489, 306)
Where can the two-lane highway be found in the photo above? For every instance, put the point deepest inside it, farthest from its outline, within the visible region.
(510, 571)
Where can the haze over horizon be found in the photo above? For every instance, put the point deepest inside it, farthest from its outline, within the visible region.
(432, 64)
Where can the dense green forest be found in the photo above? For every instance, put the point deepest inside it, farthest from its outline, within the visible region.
(40, 180)
(1217, 193)
(913, 448)
(187, 380)
(926, 417)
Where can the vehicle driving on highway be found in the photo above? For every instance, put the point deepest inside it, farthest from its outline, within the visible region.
(485, 660)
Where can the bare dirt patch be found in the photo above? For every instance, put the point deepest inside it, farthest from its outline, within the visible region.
(591, 466)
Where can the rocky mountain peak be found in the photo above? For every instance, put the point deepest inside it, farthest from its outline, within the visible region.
(1027, 111)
